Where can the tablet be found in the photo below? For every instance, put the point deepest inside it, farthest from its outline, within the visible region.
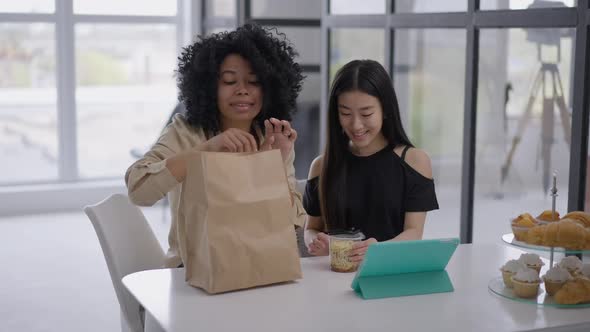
(397, 260)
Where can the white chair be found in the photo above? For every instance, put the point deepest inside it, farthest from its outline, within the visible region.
(128, 245)
(298, 230)
(301, 185)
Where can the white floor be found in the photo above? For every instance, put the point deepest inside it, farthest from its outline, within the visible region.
(54, 277)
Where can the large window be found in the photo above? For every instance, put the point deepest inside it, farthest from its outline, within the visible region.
(429, 75)
(127, 7)
(27, 6)
(429, 6)
(524, 4)
(350, 44)
(489, 89)
(82, 85)
(28, 103)
(354, 7)
(125, 85)
(523, 126)
(305, 9)
(220, 8)
(299, 22)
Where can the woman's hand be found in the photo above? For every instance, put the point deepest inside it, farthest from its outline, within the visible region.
(231, 140)
(279, 135)
(359, 249)
(320, 245)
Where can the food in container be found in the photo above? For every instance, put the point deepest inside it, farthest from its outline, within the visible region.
(341, 243)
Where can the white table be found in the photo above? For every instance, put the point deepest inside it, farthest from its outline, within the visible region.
(324, 301)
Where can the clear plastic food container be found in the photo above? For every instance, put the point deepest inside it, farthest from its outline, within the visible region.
(340, 246)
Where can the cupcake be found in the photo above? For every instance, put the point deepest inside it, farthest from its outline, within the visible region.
(555, 278)
(526, 283)
(509, 269)
(521, 225)
(572, 264)
(532, 261)
(585, 270)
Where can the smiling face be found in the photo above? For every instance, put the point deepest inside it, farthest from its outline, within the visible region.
(361, 117)
(239, 94)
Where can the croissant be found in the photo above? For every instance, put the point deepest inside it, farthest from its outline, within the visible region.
(547, 215)
(536, 234)
(565, 233)
(581, 217)
(574, 291)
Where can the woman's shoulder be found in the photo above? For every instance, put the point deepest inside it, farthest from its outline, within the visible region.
(181, 125)
(417, 159)
(181, 133)
(179, 121)
(316, 167)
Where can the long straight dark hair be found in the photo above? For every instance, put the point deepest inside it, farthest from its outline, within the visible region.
(366, 76)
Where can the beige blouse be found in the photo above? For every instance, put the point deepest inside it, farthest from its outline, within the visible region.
(148, 179)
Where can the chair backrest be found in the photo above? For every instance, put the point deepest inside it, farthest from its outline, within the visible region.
(300, 183)
(128, 245)
(303, 252)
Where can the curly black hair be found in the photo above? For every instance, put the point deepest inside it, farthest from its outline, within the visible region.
(271, 56)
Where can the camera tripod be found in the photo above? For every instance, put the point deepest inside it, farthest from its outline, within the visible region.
(547, 71)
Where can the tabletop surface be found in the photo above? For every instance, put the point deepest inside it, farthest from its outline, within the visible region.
(324, 301)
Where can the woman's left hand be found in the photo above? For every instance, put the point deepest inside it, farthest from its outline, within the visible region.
(359, 249)
(279, 135)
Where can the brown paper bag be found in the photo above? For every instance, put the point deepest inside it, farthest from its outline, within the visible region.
(234, 208)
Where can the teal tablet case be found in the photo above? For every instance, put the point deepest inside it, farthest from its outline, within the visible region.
(405, 268)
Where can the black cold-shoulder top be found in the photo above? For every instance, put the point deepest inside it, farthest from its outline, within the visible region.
(381, 188)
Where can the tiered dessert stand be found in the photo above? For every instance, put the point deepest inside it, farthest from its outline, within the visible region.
(496, 285)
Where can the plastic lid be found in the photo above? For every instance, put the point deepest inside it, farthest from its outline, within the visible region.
(347, 234)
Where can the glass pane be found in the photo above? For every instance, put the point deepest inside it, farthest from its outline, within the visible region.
(429, 6)
(125, 83)
(28, 98)
(127, 7)
(311, 88)
(524, 4)
(352, 44)
(286, 9)
(27, 6)
(306, 42)
(357, 7)
(223, 8)
(217, 30)
(523, 125)
(429, 75)
(306, 122)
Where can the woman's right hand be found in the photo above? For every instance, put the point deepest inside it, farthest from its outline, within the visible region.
(320, 245)
(231, 140)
